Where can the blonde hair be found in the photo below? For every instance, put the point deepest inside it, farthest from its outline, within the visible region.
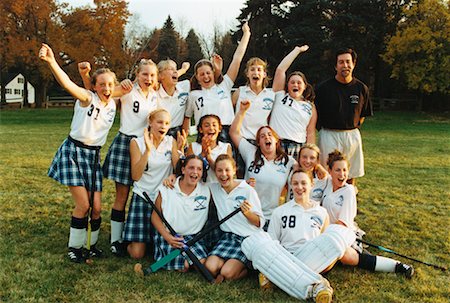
(257, 61)
(164, 64)
(153, 114)
(102, 71)
(143, 62)
(310, 146)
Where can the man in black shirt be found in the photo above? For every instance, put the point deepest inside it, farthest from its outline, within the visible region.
(342, 103)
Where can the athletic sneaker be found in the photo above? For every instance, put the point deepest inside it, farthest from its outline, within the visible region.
(94, 252)
(264, 283)
(75, 255)
(322, 292)
(404, 269)
(119, 249)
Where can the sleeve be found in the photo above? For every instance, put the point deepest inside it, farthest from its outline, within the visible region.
(348, 211)
(247, 150)
(227, 83)
(190, 107)
(368, 108)
(184, 86)
(274, 225)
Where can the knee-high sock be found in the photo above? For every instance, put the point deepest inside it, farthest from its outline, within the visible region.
(77, 236)
(117, 224)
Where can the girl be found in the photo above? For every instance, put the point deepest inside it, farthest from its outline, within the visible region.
(185, 207)
(339, 200)
(134, 110)
(293, 117)
(207, 97)
(77, 162)
(208, 146)
(266, 163)
(153, 157)
(226, 260)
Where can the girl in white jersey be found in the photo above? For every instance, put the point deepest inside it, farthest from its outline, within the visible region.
(266, 162)
(185, 207)
(207, 97)
(293, 117)
(77, 159)
(226, 260)
(207, 145)
(339, 200)
(153, 157)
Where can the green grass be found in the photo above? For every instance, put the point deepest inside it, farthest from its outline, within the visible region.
(403, 204)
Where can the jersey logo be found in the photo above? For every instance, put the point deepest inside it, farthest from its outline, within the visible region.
(182, 98)
(281, 168)
(354, 99)
(239, 200)
(306, 107)
(168, 155)
(340, 200)
(268, 104)
(316, 222)
(200, 202)
(221, 94)
(317, 193)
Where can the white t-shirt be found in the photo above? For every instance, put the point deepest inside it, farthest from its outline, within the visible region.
(258, 113)
(135, 108)
(293, 225)
(187, 214)
(159, 167)
(176, 104)
(340, 204)
(215, 100)
(317, 189)
(91, 124)
(220, 149)
(270, 178)
(226, 203)
(290, 117)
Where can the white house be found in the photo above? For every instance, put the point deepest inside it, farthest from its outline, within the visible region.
(14, 90)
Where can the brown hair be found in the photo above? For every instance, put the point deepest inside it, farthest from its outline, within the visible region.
(301, 170)
(335, 156)
(257, 61)
(342, 51)
(183, 161)
(194, 82)
(200, 123)
(224, 157)
(281, 155)
(101, 71)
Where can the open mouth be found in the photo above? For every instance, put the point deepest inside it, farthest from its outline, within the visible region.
(268, 144)
(162, 132)
(255, 78)
(295, 90)
(341, 179)
(174, 78)
(194, 177)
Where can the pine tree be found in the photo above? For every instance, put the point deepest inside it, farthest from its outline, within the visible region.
(168, 41)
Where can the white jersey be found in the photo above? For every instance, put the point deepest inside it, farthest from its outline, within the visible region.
(317, 189)
(258, 113)
(270, 177)
(135, 108)
(226, 203)
(340, 204)
(159, 167)
(175, 104)
(293, 225)
(220, 149)
(215, 100)
(91, 124)
(290, 117)
(187, 214)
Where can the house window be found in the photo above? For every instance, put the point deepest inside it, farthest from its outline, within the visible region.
(8, 91)
(19, 80)
(16, 91)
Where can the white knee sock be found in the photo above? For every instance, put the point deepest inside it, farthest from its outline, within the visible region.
(385, 264)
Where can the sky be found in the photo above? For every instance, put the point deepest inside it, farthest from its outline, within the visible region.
(202, 15)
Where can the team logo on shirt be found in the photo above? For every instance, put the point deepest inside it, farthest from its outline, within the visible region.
(268, 104)
(168, 154)
(340, 200)
(317, 193)
(354, 99)
(200, 202)
(221, 94)
(316, 222)
(239, 200)
(306, 107)
(182, 98)
(281, 168)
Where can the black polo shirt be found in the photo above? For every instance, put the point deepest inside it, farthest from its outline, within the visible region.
(340, 106)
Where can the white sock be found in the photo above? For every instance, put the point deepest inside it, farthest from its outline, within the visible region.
(385, 264)
(116, 231)
(94, 238)
(77, 237)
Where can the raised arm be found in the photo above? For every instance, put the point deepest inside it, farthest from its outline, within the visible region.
(217, 62)
(235, 128)
(184, 68)
(84, 68)
(139, 160)
(46, 54)
(280, 73)
(233, 69)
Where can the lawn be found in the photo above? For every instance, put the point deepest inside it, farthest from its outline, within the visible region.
(403, 204)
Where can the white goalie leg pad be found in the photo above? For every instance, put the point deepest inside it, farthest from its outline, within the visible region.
(324, 250)
(279, 266)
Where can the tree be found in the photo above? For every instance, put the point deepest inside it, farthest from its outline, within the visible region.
(168, 41)
(194, 50)
(419, 52)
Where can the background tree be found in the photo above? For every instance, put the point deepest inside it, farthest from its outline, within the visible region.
(194, 50)
(168, 41)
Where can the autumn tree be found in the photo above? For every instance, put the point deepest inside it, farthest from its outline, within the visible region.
(419, 52)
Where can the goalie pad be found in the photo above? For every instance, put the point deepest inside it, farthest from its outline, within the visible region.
(324, 250)
(279, 266)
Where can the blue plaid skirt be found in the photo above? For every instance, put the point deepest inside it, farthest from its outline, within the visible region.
(229, 247)
(163, 248)
(117, 165)
(292, 148)
(138, 226)
(74, 166)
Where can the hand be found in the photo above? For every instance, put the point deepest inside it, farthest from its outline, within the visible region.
(245, 105)
(246, 207)
(181, 139)
(320, 171)
(217, 62)
(148, 138)
(169, 182)
(303, 48)
(176, 242)
(251, 182)
(206, 146)
(84, 68)
(185, 66)
(126, 85)
(46, 53)
(246, 28)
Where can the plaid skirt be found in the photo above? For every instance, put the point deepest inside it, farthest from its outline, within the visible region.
(138, 226)
(229, 247)
(292, 148)
(73, 165)
(163, 248)
(117, 165)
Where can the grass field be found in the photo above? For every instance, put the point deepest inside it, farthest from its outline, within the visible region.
(403, 204)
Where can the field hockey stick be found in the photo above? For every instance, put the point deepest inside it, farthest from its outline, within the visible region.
(174, 253)
(400, 255)
(189, 253)
(91, 207)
